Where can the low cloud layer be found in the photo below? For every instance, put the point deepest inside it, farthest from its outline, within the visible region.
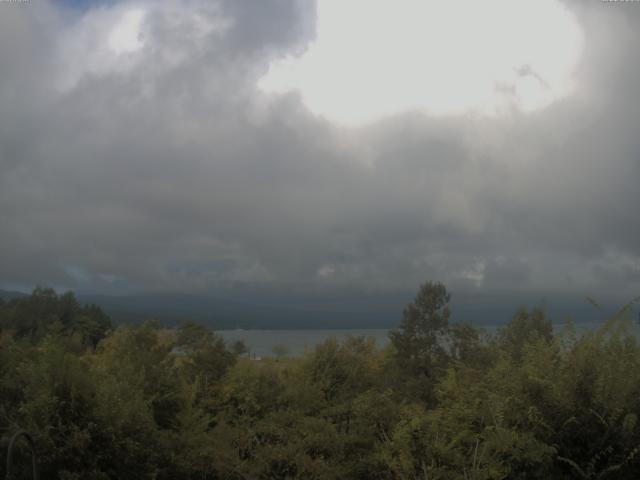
(159, 165)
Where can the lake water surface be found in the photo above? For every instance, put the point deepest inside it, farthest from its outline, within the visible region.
(296, 342)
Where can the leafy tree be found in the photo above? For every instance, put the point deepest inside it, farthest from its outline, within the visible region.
(204, 358)
(239, 348)
(470, 346)
(420, 342)
(192, 335)
(280, 351)
(439, 402)
(44, 312)
(525, 327)
(343, 370)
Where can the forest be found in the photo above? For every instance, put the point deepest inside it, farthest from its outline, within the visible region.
(442, 400)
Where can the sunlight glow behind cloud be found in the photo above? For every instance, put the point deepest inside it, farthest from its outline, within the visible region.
(374, 58)
(125, 36)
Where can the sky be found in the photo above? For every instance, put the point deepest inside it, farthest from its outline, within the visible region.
(351, 145)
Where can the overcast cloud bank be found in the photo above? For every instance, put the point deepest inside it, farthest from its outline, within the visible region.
(152, 162)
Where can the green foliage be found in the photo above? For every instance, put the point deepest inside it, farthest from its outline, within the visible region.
(44, 312)
(439, 402)
(524, 328)
(280, 351)
(420, 342)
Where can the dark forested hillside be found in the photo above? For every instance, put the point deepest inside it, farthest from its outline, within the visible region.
(284, 308)
(442, 401)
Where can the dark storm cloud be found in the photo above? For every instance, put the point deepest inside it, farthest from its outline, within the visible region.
(165, 168)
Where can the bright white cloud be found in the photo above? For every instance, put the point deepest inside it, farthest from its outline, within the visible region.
(125, 35)
(374, 58)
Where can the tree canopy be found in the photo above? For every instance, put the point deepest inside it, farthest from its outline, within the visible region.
(440, 401)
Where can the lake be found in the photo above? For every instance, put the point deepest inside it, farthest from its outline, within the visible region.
(261, 342)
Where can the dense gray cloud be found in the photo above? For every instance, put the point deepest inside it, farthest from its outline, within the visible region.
(163, 167)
